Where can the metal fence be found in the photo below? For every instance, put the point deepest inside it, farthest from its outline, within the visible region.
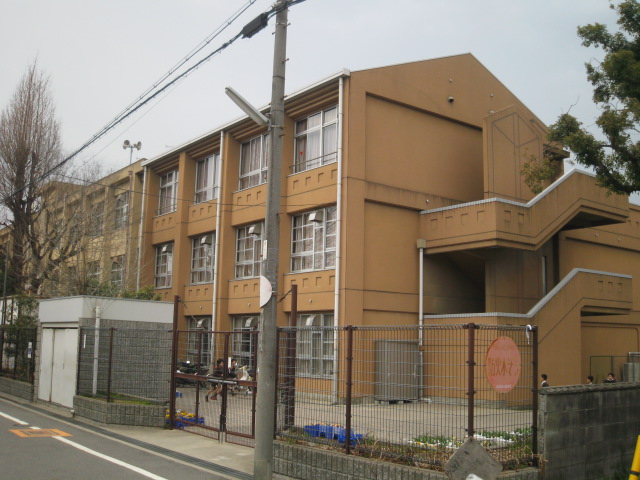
(626, 368)
(18, 346)
(219, 404)
(410, 393)
(124, 363)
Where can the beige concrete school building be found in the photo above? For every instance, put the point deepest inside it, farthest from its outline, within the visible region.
(403, 202)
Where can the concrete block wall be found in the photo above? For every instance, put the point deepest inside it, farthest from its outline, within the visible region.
(119, 413)
(308, 463)
(16, 388)
(141, 359)
(588, 431)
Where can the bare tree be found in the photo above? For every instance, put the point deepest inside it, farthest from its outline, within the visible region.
(30, 147)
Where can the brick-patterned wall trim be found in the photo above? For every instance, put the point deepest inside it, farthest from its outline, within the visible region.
(16, 388)
(588, 431)
(119, 413)
(308, 463)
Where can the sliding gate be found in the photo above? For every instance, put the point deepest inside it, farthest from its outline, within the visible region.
(221, 407)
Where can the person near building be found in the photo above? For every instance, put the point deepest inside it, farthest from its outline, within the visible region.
(611, 378)
(544, 380)
(215, 387)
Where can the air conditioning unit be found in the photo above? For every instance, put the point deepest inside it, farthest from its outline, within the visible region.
(255, 229)
(206, 240)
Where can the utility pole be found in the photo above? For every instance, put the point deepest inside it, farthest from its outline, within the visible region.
(267, 348)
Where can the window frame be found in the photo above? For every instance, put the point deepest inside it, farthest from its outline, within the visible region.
(248, 268)
(202, 259)
(206, 186)
(302, 164)
(121, 211)
(117, 273)
(307, 253)
(315, 345)
(168, 192)
(96, 220)
(163, 271)
(258, 175)
(192, 339)
(244, 348)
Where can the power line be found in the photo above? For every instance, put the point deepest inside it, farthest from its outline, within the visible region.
(135, 106)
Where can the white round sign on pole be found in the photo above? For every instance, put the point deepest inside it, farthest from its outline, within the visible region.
(265, 290)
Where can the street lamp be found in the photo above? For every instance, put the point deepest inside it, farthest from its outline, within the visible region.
(131, 146)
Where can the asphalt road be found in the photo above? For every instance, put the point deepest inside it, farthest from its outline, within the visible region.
(35, 445)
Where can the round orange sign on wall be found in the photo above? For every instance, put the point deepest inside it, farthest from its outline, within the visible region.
(502, 364)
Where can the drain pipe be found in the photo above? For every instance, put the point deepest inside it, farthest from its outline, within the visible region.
(336, 304)
(421, 244)
(141, 227)
(96, 352)
(216, 262)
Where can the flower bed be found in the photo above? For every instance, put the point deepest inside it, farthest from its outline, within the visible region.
(184, 419)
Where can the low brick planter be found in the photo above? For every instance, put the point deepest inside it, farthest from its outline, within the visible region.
(16, 388)
(119, 413)
(310, 463)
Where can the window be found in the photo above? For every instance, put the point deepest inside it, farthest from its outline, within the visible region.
(93, 273)
(244, 342)
(316, 140)
(199, 340)
(202, 258)
(95, 220)
(253, 162)
(313, 240)
(207, 178)
(164, 265)
(249, 251)
(314, 349)
(121, 213)
(117, 271)
(168, 192)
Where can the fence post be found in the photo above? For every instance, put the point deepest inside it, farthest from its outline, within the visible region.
(174, 362)
(534, 390)
(111, 330)
(349, 383)
(15, 353)
(471, 379)
(290, 362)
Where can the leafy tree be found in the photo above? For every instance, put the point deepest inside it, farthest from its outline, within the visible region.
(616, 90)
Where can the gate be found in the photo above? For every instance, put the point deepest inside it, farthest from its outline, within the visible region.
(217, 403)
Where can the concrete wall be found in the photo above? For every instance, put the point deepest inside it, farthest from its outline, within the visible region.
(588, 431)
(119, 413)
(308, 463)
(16, 388)
(141, 359)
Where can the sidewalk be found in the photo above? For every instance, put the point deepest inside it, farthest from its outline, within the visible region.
(225, 461)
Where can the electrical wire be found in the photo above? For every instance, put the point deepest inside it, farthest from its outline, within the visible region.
(128, 111)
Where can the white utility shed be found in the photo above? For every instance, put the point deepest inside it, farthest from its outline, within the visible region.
(60, 319)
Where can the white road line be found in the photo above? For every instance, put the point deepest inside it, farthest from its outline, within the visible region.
(13, 419)
(110, 459)
(92, 452)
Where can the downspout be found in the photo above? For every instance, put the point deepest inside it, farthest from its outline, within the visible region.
(127, 244)
(214, 302)
(141, 227)
(421, 244)
(336, 304)
(96, 352)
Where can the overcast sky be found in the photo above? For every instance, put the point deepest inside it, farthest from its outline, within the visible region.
(101, 55)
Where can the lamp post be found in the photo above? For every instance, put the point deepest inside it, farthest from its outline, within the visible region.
(131, 146)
